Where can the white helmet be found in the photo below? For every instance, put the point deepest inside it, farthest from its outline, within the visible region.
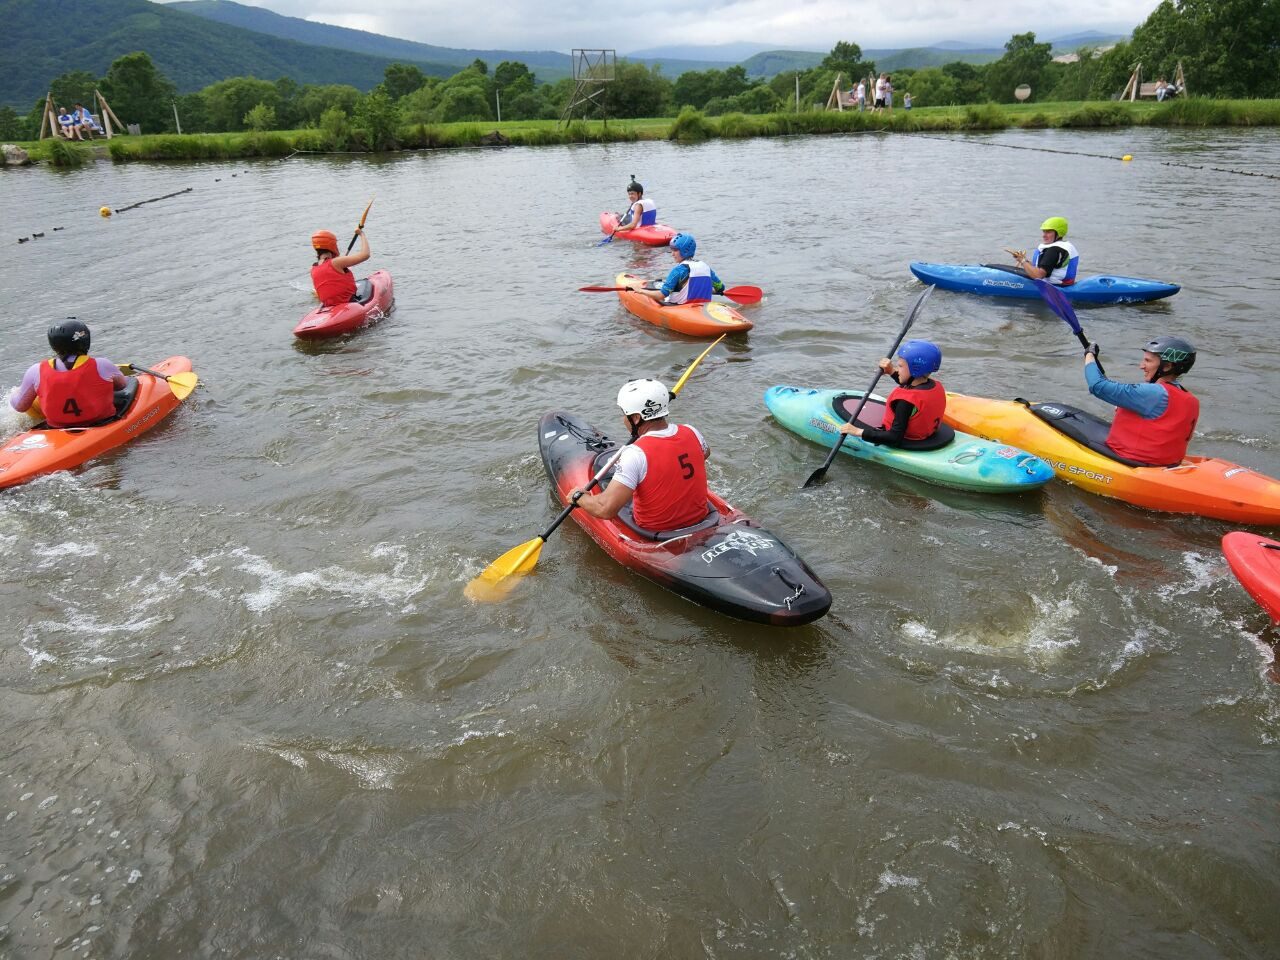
(645, 397)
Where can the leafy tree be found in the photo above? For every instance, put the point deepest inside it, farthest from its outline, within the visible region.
(846, 58)
(523, 106)
(194, 113)
(12, 126)
(970, 85)
(637, 91)
(377, 118)
(479, 66)
(261, 117)
(931, 87)
(228, 101)
(1076, 79)
(401, 79)
(465, 102)
(696, 88)
(286, 106)
(337, 127)
(139, 93)
(1024, 61)
(513, 78)
(313, 101)
(1112, 70)
(420, 106)
(72, 88)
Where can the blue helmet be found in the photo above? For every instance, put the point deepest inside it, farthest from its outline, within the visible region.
(922, 356)
(685, 245)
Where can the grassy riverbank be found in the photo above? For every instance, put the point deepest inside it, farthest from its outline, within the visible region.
(690, 127)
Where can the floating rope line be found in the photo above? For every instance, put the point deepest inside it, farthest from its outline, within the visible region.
(133, 206)
(1105, 156)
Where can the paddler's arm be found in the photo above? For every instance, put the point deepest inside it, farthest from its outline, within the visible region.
(25, 394)
(628, 222)
(716, 285)
(605, 506)
(1147, 400)
(676, 279)
(350, 260)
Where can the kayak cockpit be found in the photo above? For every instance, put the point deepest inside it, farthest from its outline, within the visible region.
(1084, 428)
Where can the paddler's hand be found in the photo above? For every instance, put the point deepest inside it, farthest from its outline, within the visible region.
(886, 365)
(126, 368)
(850, 429)
(1091, 353)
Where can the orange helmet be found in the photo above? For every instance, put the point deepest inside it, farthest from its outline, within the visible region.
(324, 240)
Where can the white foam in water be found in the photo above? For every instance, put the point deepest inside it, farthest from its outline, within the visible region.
(890, 879)
(1204, 571)
(365, 588)
(1047, 637)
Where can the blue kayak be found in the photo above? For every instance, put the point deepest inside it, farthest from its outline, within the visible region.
(999, 281)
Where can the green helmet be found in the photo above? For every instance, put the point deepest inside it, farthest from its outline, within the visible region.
(1057, 224)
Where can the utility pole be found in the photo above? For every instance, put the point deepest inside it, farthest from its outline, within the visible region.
(176, 121)
(497, 97)
(797, 91)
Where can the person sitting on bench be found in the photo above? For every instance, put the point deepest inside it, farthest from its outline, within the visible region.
(86, 119)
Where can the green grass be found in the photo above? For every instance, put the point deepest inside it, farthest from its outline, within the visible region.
(690, 127)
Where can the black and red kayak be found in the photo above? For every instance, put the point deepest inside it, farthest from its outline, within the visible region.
(726, 562)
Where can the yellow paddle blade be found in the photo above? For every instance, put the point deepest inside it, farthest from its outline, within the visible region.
(500, 577)
(182, 384)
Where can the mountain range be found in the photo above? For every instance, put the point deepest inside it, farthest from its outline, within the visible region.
(199, 42)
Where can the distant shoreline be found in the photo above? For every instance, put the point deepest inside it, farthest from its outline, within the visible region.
(690, 127)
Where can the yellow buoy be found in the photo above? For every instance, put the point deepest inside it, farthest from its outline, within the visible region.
(1126, 158)
(104, 212)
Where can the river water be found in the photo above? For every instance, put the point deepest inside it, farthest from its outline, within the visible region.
(248, 713)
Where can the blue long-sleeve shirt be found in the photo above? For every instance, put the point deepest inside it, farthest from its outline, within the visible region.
(1147, 400)
(679, 275)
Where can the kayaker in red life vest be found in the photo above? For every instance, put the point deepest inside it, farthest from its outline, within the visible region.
(1154, 420)
(915, 407)
(331, 273)
(74, 389)
(663, 473)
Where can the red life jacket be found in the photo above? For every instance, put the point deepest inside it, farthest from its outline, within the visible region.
(76, 397)
(333, 286)
(673, 493)
(1159, 442)
(929, 400)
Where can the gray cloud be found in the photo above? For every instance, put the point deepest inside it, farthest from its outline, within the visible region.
(806, 24)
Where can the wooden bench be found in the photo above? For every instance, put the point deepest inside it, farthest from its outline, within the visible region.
(1148, 91)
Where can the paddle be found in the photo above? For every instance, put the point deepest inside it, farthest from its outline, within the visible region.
(817, 475)
(497, 579)
(1060, 305)
(363, 218)
(608, 239)
(744, 294)
(180, 383)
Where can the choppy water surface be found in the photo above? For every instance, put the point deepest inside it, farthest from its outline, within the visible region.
(247, 712)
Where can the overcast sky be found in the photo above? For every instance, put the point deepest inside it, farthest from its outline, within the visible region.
(626, 26)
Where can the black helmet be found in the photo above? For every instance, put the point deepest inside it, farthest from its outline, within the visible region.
(69, 338)
(1179, 353)
(634, 186)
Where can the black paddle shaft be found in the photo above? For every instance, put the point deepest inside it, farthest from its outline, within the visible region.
(817, 475)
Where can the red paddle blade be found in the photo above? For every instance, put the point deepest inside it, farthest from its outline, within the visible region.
(601, 289)
(744, 294)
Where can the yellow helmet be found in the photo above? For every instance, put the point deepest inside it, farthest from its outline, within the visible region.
(1057, 224)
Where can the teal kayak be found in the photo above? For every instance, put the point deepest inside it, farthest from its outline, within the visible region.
(949, 458)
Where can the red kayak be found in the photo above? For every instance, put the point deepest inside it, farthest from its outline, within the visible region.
(1255, 561)
(727, 561)
(654, 235)
(376, 298)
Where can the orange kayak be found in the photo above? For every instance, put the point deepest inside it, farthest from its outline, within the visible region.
(1205, 486)
(707, 319)
(148, 400)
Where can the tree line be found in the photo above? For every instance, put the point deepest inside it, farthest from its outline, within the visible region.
(1227, 47)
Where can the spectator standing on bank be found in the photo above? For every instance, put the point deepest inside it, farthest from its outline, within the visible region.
(860, 95)
(888, 92)
(906, 100)
(879, 101)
